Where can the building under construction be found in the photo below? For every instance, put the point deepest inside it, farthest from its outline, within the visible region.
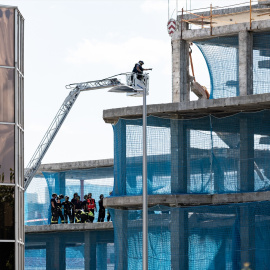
(208, 164)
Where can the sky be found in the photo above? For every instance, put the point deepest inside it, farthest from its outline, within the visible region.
(76, 41)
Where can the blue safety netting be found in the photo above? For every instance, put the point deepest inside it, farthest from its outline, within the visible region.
(70, 250)
(221, 56)
(195, 238)
(37, 197)
(261, 63)
(205, 156)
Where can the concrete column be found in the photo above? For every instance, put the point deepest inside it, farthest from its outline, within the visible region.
(62, 183)
(179, 239)
(246, 156)
(120, 158)
(247, 235)
(102, 255)
(121, 236)
(180, 70)
(218, 176)
(245, 63)
(82, 189)
(90, 251)
(179, 144)
(55, 254)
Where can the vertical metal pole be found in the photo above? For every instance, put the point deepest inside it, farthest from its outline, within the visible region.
(145, 189)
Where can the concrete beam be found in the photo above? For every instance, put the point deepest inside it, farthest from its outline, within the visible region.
(135, 202)
(226, 30)
(78, 165)
(99, 226)
(193, 109)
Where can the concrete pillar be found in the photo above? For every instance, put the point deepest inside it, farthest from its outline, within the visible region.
(179, 184)
(180, 69)
(245, 63)
(179, 145)
(218, 176)
(62, 183)
(120, 158)
(55, 254)
(179, 239)
(102, 255)
(90, 255)
(247, 235)
(121, 237)
(246, 155)
(82, 189)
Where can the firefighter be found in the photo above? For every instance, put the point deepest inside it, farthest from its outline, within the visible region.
(68, 206)
(91, 207)
(78, 210)
(59, 208)
(108, 213)
(138, 69)
(101, 211)
(73, 200)
(84, 213)
(54, 218)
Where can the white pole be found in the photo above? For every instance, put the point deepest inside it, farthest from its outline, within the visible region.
(145, 188)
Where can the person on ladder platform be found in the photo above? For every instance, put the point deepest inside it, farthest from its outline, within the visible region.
(54, 214)
(138, 69)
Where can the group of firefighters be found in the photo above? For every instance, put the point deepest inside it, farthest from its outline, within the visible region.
(76, 210)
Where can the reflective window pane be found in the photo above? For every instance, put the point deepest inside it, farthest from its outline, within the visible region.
(7, 37)
(7, 202)
(7, 251)
(7, 79)
(7, 154)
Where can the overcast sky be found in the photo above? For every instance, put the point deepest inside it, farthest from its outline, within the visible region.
(76, 41)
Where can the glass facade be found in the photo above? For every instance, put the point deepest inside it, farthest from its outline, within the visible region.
(11, 139)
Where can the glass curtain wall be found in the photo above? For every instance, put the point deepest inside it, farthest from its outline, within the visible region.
(11, 139)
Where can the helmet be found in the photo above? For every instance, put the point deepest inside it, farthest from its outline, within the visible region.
(141, 62)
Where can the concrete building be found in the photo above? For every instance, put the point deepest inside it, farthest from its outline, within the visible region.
(11, 139)
(208, 163)
(213, 151)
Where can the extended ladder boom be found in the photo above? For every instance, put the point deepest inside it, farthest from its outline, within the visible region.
(58, 120)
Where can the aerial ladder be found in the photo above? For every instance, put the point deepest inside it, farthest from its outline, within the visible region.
(134, 87)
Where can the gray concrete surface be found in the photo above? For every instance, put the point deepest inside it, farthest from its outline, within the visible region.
(135, 202)
(99, 226)
(77, 165)
(193, 109)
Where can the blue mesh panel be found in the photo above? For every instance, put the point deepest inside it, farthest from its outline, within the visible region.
(35, 259)
(197, 238)
(202, 155)
(261, 63)
(37, 197)
(221, 56)
(70, 250)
